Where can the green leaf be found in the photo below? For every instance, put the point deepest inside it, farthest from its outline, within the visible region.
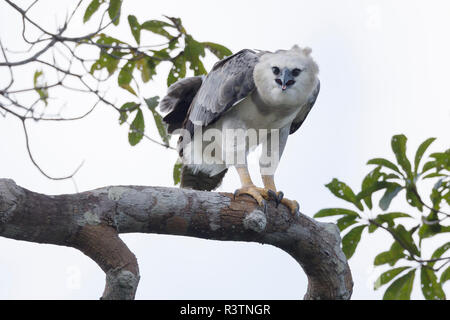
(442, 160)
(387, 276)
(157, 26)
(428, 166)
(39, 84)
(335, 212)
(385, 163)
(398, 144)
(37, 75)
(434, 175)
(345, 222)
(114, 11)
(431, 288)
(350, 241)
(412, 199)
(173, 43)
(193, 50)
(197, 67)
(391, 256)
(162, 54)
(137, 128)
(429, 230)
(401, 288)
(436, 195)
(152, 103)
(90, 10)
(126, 75)
(341, 190)
(369, 180)
(218, 50)
(108, 61)
(125, 109)
(406, 240)
(391, 176)
(420, 152)
(390, 193)
(177, 173)
(104, 39)
(367, 186)
(372, 228)
(439, 252)
(135, 28)
(414, 229)
(368, 190)
(178, 70)
(388, 218)
(431, 226)
(445, 276)
(147, 67)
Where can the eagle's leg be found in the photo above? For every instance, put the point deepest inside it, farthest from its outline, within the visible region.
(278, 197)
(273, 147)
(249, 188)
(269, 185)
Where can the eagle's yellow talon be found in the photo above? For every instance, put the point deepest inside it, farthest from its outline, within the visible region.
(259, 194)
(292, 205)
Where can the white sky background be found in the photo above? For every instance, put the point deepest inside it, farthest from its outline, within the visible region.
(384, 70)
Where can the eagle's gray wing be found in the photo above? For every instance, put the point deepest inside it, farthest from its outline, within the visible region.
(178, 100)
(230, 80)
(298, 121)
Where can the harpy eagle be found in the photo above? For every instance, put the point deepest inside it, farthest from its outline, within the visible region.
(248, 99)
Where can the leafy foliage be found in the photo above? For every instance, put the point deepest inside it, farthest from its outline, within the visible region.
(152, 103)
(91, 62)
(125, 60)
(91, 9)
(177, 173)
(390, 179)
(401, 288)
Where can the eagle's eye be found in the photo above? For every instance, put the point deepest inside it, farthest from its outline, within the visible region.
(276, 70)
(296, 72)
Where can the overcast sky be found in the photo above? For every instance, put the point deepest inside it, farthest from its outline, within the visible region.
(384, 70)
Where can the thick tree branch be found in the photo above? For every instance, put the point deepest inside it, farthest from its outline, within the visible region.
(91, 221)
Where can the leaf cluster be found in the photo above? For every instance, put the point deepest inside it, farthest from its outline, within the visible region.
(393, 179)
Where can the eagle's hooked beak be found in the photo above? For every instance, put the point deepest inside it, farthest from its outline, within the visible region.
(286, 79)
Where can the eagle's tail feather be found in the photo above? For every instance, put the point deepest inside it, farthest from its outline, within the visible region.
(200, 180)
(178, 100)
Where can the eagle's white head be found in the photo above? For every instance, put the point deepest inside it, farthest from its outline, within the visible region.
(286, 77)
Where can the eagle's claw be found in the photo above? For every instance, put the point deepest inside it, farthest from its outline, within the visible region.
(292, 205)
(276, 196)
(279, 198)
(261, 195)
(256, 193)
(272, 195)
(264, 206)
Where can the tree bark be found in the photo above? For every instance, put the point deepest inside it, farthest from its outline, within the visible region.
(91, 221)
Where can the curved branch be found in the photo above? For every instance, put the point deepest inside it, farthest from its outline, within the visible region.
(91, 221)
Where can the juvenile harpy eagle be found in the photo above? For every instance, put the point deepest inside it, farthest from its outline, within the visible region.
(264, 95)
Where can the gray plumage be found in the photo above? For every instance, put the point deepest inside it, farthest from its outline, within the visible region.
(298, 121)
